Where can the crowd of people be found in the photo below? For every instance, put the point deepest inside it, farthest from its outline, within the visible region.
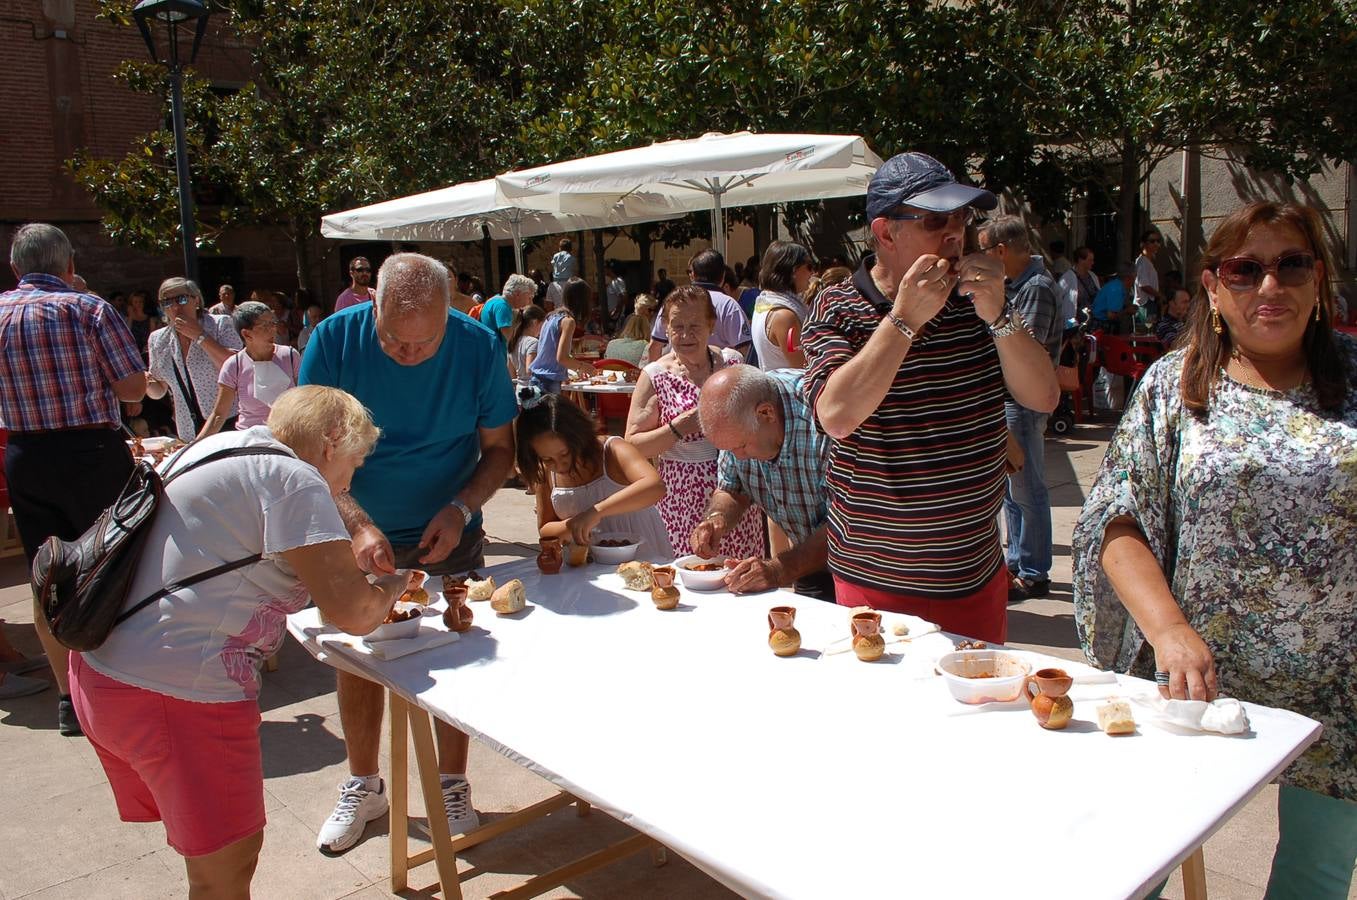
(854, 435)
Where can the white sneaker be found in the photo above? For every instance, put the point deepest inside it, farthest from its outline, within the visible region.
(357, 807)
(457, 804)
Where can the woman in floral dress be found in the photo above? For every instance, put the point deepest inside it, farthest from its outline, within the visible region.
(663, 422)
(1219, 543)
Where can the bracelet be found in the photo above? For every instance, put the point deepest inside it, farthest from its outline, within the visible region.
(677, 435)
(198, 341)
(901, 327)
(1008, 324)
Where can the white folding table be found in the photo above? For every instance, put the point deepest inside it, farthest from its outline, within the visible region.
(818, 775)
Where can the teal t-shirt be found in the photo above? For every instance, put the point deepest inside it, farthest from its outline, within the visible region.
(495, 315)
(429, 414)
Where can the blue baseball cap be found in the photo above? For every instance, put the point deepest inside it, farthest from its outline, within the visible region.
(919, 180)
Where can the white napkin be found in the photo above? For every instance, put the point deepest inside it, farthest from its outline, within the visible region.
(432, 633)
(1224, 715)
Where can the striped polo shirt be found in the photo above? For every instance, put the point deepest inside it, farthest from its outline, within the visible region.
(915, 491)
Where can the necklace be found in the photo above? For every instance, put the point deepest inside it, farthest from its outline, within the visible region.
(1247, 373)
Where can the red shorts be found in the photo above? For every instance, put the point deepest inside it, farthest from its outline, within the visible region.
(194, 766)
(983, 615)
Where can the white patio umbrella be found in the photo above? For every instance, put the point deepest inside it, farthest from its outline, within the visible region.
(458, 213)
(711, 172)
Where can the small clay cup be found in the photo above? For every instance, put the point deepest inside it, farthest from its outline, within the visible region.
(577, 554)
(663, 576)
(1045, 690)
(549, 560)
(868, 643)
(1053, 682)
(782, 637)
(664, 595)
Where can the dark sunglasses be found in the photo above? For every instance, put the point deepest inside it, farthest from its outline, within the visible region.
(936, 221)
(1244, 273)
(360, 269)
(181, 300)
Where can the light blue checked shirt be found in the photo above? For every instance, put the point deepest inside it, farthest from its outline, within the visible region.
(790, 488)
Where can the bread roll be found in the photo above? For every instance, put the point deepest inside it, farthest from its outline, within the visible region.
(480, 590)
(509, 599)
(1114, 717)
(636, 575)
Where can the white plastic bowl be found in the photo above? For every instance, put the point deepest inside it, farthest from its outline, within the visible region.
(393, 630)
(613, 556)
(983, 676)
(702, 581)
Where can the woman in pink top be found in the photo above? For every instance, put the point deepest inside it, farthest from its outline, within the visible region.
(256, 375)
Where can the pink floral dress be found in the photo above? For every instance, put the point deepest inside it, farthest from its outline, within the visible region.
(688, 471)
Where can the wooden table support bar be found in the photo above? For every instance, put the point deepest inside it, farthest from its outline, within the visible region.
(596, 860)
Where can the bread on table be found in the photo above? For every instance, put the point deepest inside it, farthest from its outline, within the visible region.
(509, 599)
(480, 590)
(636, 575)
(1114, 717)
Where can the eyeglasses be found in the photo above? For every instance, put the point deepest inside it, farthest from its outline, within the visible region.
(1244, 273)
(181, 300)
(936, 221)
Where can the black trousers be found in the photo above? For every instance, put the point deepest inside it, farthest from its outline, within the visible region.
(60, 481)
(819, 585)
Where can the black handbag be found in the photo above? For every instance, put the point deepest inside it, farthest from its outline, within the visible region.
(82, 585)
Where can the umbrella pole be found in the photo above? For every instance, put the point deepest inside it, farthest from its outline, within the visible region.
(516, 229)
(718, 219)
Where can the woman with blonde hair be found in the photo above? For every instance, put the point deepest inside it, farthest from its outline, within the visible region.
(255, 512)
(1217, 550)
(631, 342)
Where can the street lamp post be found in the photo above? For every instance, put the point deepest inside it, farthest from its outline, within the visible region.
(174, 13)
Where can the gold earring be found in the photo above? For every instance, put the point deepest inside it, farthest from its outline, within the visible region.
(1317, 306)
(1215, 321)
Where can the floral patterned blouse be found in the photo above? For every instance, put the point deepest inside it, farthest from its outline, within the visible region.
(1252, 513)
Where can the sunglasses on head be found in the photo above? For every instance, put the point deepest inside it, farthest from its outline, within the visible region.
(1244, 273)
(181, 300)
(936, 221)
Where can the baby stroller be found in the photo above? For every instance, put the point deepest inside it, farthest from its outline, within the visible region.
(1066, 413)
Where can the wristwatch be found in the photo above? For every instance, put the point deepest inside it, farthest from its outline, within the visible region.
(463, 509)
(198, 341)
(901, 327)
(1008, 323)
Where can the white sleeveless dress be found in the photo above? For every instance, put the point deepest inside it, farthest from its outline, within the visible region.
(645, 524)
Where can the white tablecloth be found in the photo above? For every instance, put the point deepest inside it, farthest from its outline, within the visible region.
(823, 776)
(584, 387)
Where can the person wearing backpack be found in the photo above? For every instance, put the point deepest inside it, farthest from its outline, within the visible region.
(255, 376)
(169, 699)
(66, 360)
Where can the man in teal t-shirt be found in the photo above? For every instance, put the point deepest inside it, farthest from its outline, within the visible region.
(498, 312)
(437, 387)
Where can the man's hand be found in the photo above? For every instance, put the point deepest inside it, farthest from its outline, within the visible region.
(982, 279)
(373, 551)
(752, 575)
(583, 525)
(923, 291)
(706, 537)
(442, 535)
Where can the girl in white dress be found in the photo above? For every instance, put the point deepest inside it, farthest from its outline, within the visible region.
(584, 484)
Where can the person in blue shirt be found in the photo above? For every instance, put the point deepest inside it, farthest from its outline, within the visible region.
(437, 386)
(1111, 300)
(498, 312)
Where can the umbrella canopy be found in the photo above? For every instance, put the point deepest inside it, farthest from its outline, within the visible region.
(711, 172)
(457, 213)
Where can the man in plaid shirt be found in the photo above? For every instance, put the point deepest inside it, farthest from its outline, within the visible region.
(773, 456)
(1027, 505)
(67, 359)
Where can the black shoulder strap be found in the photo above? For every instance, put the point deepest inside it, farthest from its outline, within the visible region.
(216, 570)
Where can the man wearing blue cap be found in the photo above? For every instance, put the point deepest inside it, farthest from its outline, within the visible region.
(907, 364)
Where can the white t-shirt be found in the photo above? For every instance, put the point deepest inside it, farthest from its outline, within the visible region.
(259, 384)
(206, 642)
(1146, 277)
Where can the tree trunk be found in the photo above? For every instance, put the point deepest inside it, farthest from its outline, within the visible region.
(645, 247)
(763, 229)
(599, 285)
(1126, 201)
(301, 244)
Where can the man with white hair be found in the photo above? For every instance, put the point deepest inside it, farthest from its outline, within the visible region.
(66, 360)
(436, 384)
(772, 456)
(498, 312)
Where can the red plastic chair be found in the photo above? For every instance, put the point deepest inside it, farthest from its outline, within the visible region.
(1120, 357)
(615, 406)
(9, 534)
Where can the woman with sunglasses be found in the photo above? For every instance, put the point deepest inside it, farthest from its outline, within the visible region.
(1217, 551)
(187, 355)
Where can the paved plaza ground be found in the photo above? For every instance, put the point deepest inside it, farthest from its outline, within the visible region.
(60, 836)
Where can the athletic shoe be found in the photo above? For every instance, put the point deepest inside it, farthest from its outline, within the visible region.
(357, 807)
(21, 666)
(457, 804)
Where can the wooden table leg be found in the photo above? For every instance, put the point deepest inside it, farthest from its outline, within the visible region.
(427, 759)
(1194, 876)
(399, 793)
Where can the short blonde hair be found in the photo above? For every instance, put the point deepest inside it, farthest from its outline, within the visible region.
(304, 418)
(636, 328)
